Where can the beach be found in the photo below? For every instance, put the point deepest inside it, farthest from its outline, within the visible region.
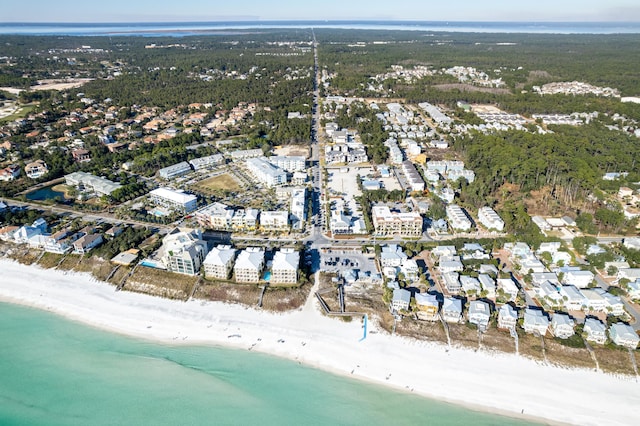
(495, 382)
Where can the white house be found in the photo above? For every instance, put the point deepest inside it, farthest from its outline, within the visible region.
(535, 321)
(451, 281)
(595, 301)
(401, 300)
(458, 218)
(488, 285)
(509, 289)
(573, 299)
(507, 317)
(392, 255)
(632, 243)
(452, 310)
(624, 335)
(562, 326)
(219, 262)
(596, 330)
(490, 219)
(479, 314)
(249, 265)
(580, 279)
(470, 285)
(285, 266)
(549, 293)
(633, 289)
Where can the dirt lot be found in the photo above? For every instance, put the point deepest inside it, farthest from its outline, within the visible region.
(530, 346)
(292, 150)
(463, 335)
(160, 283)
(224, 181)
(614, 360)
(275, 299)
(469, 88)
(498, 340)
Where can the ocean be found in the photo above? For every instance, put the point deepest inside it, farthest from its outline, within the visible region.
(57, 372)
(178, 29)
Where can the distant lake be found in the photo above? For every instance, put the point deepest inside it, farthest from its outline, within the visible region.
(46, 193)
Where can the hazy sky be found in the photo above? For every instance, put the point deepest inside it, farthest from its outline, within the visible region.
(211, 10)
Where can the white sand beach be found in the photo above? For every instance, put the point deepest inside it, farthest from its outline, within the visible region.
(501, 383)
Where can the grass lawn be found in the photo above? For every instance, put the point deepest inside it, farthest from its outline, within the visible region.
(224, 181)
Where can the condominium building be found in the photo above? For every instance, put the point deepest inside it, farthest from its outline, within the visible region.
(298, 207)
(175, 200)
(245, 219)
(265, 172)
(285, 266)
(88, 182)
(216, 216)
(490, 219)
(457, 218)
(249, 265)
(183, 251)
(386, 222)
(174, 171)
(219, 262)
(274, 220)
(288, 163)
(413, 177)
(204, 162)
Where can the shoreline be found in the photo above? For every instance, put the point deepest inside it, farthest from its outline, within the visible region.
(503, 384)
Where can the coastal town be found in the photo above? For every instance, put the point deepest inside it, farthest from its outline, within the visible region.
(382, 230)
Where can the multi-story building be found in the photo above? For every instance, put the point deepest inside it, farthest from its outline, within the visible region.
(288, 163)
(386, 222)
(9, 173)
(274, 220)
(183, 251)
(36, 169)
(490, 219)
(298, 207)
(90, 183)
(457, 218)
(245, 219)
(174, 171)
(249, 265)
(219, 262)
(265, 172)
(204, 162)
(175, 200)
(413, 177)
(216, 216)
(285, 266)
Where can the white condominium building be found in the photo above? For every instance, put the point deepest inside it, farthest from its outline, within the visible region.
(183, 252)
(265, 172)
(249, 265)
(176, 200)
(274, 220)
(285, 266)
(288, 163)
(298, 207)
(490, 219)
(219, 262)
(386, 222)
(457, 218)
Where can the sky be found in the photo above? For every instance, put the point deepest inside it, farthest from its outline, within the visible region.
(230, 10)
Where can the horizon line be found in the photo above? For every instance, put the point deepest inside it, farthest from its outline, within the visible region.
(236, 20)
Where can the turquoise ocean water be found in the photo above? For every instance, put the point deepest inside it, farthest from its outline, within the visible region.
(57, 372)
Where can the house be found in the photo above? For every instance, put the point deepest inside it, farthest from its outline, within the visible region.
(219, 262)
(427, 306)
(81, 155)
(562, 326)
(535, 321)
(470, 285)
(633, 289)
(507, 317)
(580, 279)
(630, 274)
(624, 335)
(613, 304)
(440, 251)
(36, 169)
(540, 277)
(10, 173)
(410, 270)
(452, 310)
(488, 269)
(400, 301)
(392, 255)
(84, 244)
(126, 258)
(249, 265)
(549, 293)
(451, 281)
(573, 298)
(479, 314)
(458, 218)
(488, 285)
(632, 243)
(183, 252)
(595, 301)
(284, 269)
(508, 289)
(595, 330)
(450, 264)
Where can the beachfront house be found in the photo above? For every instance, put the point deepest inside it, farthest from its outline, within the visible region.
(479, 314)
(427, 306)
(219, 262)
(624, 335)
(452, 310)
(400, 301)
(562, 325)
(249, 265)
(595, 330)
(284, 269)
(86, 243)
(535, 321)
(507, 317)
